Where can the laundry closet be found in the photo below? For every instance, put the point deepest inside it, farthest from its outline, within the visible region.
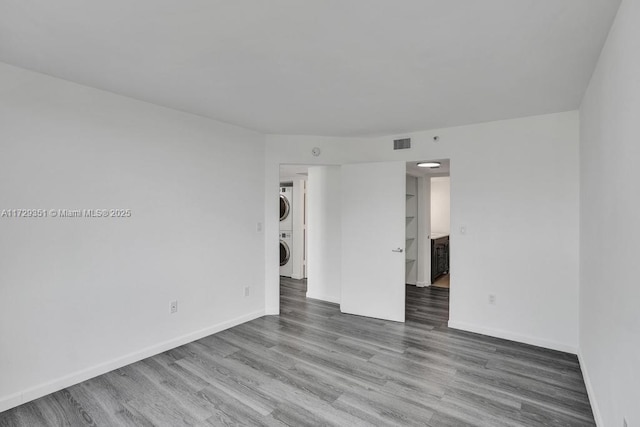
(286, 230)
(292, 229)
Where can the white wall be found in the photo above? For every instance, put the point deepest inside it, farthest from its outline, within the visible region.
(609, 227)
(83, 296)
(440, 205)
(324, 219)
(521, 217)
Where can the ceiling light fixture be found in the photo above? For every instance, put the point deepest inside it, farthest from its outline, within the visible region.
(429, 164)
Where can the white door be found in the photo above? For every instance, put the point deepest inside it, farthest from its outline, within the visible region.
(373, 240)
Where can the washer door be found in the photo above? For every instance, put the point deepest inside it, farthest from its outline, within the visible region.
(284, 207)
(284, 253)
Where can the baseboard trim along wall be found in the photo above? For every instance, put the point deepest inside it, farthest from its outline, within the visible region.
(13, 400)
(498, 333)
(325, 298)
(272, 311)
(590, 392)
(10, 401)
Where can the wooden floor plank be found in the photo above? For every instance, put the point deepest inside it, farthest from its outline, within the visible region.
(313, 365)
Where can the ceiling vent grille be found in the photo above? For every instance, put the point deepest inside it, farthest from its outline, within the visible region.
(401, 144)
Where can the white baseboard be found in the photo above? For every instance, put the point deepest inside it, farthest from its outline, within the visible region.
(423, 284)
(499, 333)
(272, 311)
(13, 400)
(326, 298)
(590, 392)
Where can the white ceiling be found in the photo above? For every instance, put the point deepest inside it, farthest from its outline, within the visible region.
(323, 67)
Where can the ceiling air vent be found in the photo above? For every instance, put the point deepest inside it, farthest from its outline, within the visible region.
(401, 144)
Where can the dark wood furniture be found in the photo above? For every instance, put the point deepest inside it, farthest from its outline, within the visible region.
(439, 256)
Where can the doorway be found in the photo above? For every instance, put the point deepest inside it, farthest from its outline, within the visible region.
(427, 237)
(342, 204)
(292, 230)
(440, 230)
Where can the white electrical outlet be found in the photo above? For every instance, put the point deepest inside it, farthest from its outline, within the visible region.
(492, 299)
(247, 291)
(259, 227)
(174, 307)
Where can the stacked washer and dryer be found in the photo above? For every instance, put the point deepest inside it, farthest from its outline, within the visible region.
(286, 231)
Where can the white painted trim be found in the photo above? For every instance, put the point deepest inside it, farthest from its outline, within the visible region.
(295, 276)
(423, 284)
(40, 390)
(512, 336)
(590, 392)
(11, 401)
(324, 298)
(272, 311)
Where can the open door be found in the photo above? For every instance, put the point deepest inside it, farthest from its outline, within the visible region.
(373, 240)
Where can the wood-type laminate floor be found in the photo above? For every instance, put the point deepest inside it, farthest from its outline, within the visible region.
(314, 366)
(442, 281)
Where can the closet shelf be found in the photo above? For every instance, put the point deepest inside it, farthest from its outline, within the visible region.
(411, 229)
